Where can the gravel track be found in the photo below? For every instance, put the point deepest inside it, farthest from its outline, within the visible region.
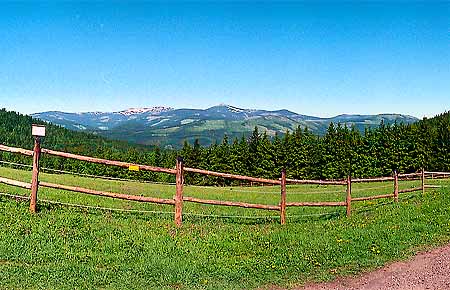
(427, 270)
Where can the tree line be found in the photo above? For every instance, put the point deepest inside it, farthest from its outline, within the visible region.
(341, 151)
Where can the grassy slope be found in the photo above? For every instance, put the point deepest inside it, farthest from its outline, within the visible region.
(66, 248)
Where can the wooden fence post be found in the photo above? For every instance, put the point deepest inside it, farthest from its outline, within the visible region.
(348, 200)
(283, 197)
(179, 192)
(395, 186)
(423, 181)
(35, 176)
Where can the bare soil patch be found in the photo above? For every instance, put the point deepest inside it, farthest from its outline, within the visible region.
(428, 270)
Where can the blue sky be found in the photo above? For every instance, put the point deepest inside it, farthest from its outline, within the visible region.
(313, 58)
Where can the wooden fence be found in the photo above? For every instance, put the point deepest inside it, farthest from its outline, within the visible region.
(179, 173)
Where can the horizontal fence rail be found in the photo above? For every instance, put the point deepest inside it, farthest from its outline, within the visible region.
(319, 182)
(409, 174)
(179, 172)
(231, 203)
(16, 150)
(437, 173)
(108, 162)
(15, 183)
(232, 176)
(410, 189)
(325, 203)
(373, 197)
(107, 194)
(375, 179)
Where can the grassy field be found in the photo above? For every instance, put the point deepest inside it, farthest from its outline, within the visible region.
(64, 247)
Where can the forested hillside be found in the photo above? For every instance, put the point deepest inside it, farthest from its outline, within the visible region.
(339, 152)
(15, 130)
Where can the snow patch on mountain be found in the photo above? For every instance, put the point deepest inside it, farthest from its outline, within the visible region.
(80, 127)
(186, 121)
(159, 122)
(152, 110)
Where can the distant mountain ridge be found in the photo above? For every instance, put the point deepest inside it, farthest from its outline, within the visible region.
(93, 121)
(167, 126)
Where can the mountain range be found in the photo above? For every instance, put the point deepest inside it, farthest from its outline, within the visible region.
(167, 126)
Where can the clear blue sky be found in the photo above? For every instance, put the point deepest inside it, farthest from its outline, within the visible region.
(318, 59)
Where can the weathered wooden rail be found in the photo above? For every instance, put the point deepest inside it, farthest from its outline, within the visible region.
(233, 176)
(179, 173)
(15, 183)
(231, 203)
(107, 194)
(107, 162)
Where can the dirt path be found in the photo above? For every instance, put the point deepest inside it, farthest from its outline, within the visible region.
(428, 270)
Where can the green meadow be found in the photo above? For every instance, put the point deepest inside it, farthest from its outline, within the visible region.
(79, 241)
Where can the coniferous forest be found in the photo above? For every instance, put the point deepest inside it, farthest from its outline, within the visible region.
(341, 151)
